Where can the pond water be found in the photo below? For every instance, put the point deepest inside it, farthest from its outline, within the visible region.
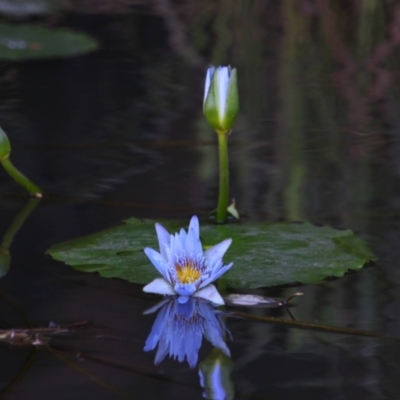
(120, 133)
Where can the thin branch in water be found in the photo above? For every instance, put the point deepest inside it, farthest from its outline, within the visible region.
(312, 326)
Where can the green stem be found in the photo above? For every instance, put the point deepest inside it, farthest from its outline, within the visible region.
(20, 178)
(223, 194)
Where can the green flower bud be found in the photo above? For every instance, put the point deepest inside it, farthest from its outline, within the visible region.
(5, 147)
(221, 98)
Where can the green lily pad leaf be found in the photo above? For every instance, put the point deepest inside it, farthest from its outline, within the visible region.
(263, 254)
(27, 42)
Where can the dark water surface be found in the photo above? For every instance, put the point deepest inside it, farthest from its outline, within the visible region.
(120, 133)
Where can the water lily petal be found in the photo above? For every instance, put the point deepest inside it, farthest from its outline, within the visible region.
(223, 84)
(215, 253)
(195, 225)
(210, 293)
(183, 299)
(193, 246)
(215, 274)
(194, 228)
(176, 246)
(153, 338)
(163, 350)
(158, 261)
(163, 239)
(232, 99)
(185, 289)
(157, 306)
(182, 235)
(213, 335)
(190, 244)
(159, 286)
(221, 271)
(209, 75)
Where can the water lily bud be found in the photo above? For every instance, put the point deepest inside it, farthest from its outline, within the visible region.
(5, 147)
(221, 98)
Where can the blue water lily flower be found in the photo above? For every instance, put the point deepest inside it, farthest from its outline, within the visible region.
(185, 268)
(179, 329)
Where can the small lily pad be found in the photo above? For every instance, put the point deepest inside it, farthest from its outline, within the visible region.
(263, 254)
(19, 42)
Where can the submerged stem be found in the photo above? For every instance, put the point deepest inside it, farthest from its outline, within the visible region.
(223, 194)
(20, 178)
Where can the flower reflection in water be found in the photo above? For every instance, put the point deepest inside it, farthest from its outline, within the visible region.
(180, 326)
(215, 379)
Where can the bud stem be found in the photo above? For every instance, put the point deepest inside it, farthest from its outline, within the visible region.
(20, 178)
(223, 194)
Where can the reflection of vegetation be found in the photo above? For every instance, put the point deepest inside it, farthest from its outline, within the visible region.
(371, 26)
(314, 326)
(214, 373)
(8, 238)
(334, 77)
(294, 113)
(26, 42)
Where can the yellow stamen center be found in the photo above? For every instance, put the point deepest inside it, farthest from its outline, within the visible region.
(187, 273)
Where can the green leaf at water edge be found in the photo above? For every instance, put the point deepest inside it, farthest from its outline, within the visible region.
(263, 254)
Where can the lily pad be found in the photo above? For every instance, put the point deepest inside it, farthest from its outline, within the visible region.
(263, 254)
(19, 42)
